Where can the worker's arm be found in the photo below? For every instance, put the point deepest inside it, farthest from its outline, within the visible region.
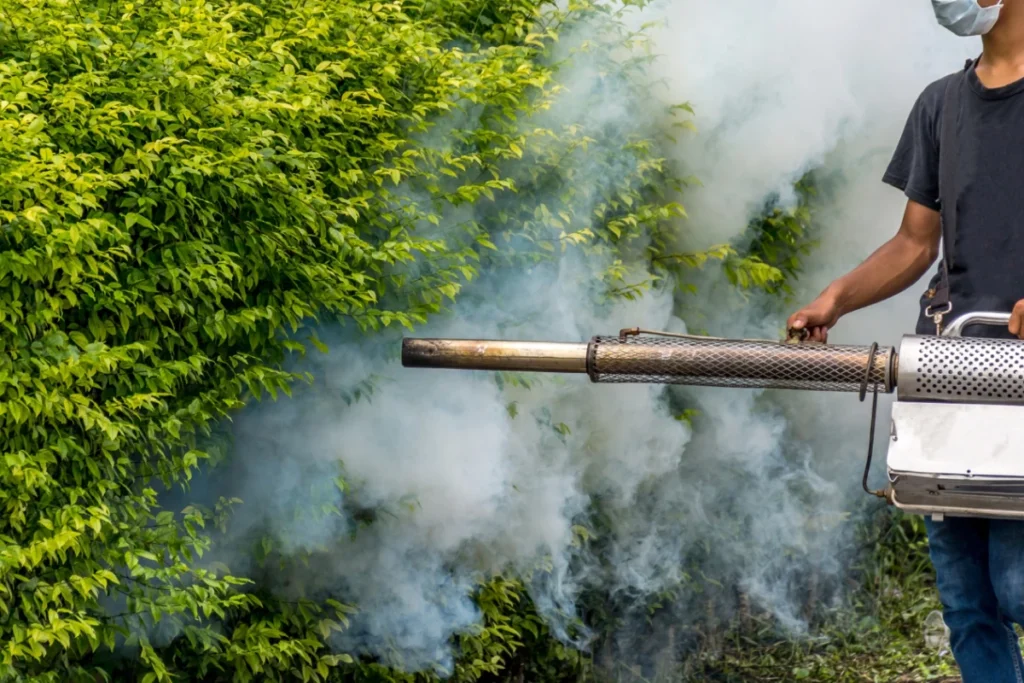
(896, 265)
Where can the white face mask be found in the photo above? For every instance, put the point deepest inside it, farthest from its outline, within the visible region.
(966, 17)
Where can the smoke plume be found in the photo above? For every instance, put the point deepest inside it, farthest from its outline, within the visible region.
(466, 477)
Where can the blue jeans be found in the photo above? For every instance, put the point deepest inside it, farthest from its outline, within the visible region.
(979, 565)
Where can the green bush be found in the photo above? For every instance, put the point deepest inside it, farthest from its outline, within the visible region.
(187, 189)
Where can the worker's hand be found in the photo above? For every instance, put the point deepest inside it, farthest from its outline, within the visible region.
(819, 317)
(1017, 320)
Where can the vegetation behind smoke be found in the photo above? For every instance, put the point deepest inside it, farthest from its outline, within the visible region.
(189, 190)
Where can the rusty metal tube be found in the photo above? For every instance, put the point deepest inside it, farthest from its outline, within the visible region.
(667, 359)
(482, 354)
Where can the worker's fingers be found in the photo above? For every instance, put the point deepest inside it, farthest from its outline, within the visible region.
(818, 334)
(812, 332)
(1017, 320)
(809, 323)
(815, 319)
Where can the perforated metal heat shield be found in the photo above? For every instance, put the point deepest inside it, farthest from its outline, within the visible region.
(962, 370)
(738, 363)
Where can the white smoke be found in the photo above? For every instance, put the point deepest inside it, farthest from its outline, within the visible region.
(779, 87)
(466, 489)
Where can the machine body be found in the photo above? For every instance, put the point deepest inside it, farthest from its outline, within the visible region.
(956, 438)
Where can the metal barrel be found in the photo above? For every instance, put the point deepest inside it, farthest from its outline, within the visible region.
(482, 354)
(675, 359)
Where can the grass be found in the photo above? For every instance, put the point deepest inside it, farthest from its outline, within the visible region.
(862, 654)
(877, 638)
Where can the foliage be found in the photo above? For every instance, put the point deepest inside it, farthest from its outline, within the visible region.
(188, 187)
(759, 265)
(776, 242)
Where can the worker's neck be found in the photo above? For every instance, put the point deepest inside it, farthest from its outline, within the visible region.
(1004, 44)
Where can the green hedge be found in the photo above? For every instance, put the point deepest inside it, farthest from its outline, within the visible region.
(187, 189)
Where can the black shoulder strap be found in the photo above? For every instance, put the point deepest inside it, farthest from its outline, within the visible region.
(949, 151)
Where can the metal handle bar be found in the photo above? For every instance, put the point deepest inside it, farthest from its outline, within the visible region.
(956, 328)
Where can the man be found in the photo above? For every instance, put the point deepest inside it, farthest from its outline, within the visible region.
(979, 563)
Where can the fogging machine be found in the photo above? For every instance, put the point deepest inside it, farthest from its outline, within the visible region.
(956, 437)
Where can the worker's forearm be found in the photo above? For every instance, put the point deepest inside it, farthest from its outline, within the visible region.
(896, 265)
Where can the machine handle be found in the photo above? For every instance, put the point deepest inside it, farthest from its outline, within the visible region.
(956, 328)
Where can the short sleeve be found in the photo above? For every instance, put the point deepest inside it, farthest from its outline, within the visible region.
(914, 167)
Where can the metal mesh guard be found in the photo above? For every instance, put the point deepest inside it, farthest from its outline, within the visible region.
(964, 369)
(736, 363)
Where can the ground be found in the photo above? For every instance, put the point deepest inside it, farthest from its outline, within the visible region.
(878, 637)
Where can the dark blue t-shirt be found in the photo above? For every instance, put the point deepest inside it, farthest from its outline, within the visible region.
(988, 250)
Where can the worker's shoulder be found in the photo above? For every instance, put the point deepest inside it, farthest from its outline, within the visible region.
(937, 88)
(931, 98)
